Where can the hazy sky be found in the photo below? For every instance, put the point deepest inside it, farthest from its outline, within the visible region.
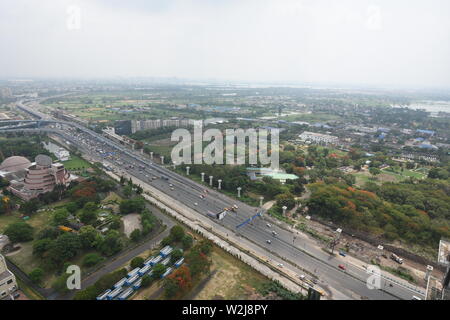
(376, 42)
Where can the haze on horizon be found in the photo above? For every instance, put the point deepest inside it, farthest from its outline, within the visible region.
(365, 42)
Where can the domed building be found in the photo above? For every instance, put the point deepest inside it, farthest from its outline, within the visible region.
(40, 177)
(14, 164)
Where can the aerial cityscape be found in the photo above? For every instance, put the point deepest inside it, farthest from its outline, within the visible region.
(147, 160)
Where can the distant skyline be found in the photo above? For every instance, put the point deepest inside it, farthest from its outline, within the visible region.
(366, 43)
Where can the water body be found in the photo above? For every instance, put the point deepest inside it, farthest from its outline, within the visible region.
(430, 106)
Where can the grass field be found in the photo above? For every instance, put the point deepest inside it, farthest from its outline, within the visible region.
(76, 163)
(388, 176)
(406, 174)
(312, 117)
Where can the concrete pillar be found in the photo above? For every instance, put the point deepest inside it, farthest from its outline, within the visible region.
(284, 210)
(151, 155)
(203, 176)
(220, 184)
(428, 272)
(187, 170)
(239, 191)
(162, 159)
(210, 180)
(261, 201)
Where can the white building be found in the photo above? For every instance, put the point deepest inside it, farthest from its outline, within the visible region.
(318, 138)
(8, 282)
(60, 153)
(138, 125)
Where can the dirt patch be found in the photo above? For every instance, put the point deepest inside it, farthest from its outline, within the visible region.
(230, 279)
(131, 222)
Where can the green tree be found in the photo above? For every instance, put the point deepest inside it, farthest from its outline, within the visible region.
(176, 255)
(19, 232)
(115, 223)
(167, 240)
(135, 235)
(64, 248)
(72, 207)
(91, 259)
(374, 171)
(137, 262)
(36, 275)
(40, 247)
(177, 233)
(286, 199)
(30, 207)
(170, 287)
(146, 281)
(136, 205)
(187, 242)
(128, 191)
(158, 271)
(60, 284)
(89, 213)
(60, 217)
(89, 237)
(111, 243)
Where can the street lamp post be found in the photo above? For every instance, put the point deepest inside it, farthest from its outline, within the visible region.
(151, 155)
(162, 159)
(239, 191)
(284, 210)
(187, 170)
(210, 180)
(203, 176)
(220, 184)
(261, 201)
(174, 164)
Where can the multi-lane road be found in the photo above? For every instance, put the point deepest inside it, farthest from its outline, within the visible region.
(294, 251)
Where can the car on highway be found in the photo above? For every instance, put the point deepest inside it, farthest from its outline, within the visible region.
(274, 233)
(280, 265)
(302, 277)
(195, 204)
(342, 253)
(268, 225)
(341, 266)
(269, 241)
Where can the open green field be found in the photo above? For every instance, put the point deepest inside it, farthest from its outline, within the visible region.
(333, 150)
(389, 176)
(311, 117)
(364, 177)
(76, 163)
(418, 174)
(162, 150)
(37, 220)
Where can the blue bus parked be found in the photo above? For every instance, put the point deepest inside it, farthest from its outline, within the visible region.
(179, 263)
(124, 295)
(104, 295)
